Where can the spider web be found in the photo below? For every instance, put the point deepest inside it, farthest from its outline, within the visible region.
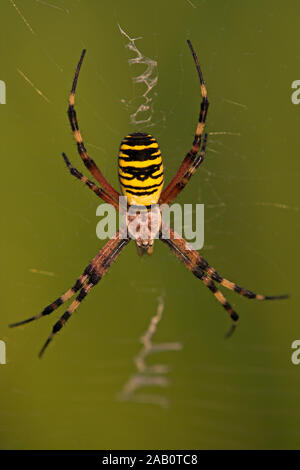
(146, 375)
(148, 78)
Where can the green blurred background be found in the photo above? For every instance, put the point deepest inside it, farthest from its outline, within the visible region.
(241, 393)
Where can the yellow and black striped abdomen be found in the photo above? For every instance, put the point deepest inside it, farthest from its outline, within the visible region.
(141, 172)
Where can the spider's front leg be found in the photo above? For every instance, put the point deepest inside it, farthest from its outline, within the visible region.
(92, 274)
(191, 162)
(99, 191)
(87, 160)
(180, 185)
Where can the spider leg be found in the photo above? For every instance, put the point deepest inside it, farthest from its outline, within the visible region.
(57, 303)
(185, 258)
(220, 298)
(99, 191)
(89, 163)
(179, 186)
(102, 263)
(241, 290)
(64, 318)
(191, 155)
(198, 262)
(66, 296)
(111, 246)
(203, 271)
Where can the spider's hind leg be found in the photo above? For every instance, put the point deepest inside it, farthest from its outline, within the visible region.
(197, 262)
(58, 302)
(98, 268)
(65, 317)
(207, 274)
(177, 247)
(233, 286)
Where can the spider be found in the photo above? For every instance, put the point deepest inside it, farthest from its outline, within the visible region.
(141, 179)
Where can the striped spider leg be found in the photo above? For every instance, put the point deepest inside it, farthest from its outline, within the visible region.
(89, 163)
(179, 186)
(99, 191)
(92, 274)
(191, 161)
(207, 274)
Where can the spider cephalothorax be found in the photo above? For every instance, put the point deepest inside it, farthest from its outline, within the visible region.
(141, 179)
(143, 226)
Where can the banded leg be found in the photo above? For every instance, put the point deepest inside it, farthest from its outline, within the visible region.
(201, 269)
(67, 295)
(64, 318)
(180, 185)
(220, 298)
(57, 303)
(185, 259)
(191, 155)
(99, 268)
(198, 262)
(89, 163)
(90, 277)
(99, 191)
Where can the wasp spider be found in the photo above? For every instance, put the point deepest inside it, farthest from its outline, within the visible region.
(141, 179)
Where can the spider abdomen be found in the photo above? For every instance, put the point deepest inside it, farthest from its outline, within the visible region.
(141, 171)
